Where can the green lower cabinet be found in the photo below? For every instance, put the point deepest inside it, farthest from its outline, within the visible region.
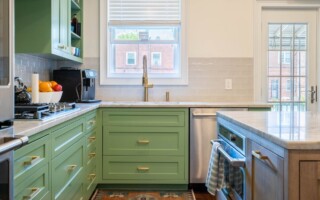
(58, 163)
(144, 146)
(63, 136)
(34, 188)
(34, 155)
(144, 169)
(90, 181)
(120, 140)
(90, 177)
(67, 171)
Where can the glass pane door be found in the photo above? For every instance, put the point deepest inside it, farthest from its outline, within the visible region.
(289, 58)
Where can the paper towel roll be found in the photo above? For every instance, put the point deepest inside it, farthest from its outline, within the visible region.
(35, 88)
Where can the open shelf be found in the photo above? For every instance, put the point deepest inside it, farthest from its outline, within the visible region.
(75, 36)
(75, 5)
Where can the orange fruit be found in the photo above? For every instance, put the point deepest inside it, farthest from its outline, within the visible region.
(53, 83)
(45, 87)
(49, 82)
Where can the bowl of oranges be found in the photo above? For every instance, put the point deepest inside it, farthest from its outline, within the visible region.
(49, 92)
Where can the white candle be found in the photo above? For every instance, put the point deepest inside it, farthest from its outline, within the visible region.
(35, 88)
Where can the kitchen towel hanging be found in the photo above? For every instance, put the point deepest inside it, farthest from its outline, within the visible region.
(35, 88)
(215, 177)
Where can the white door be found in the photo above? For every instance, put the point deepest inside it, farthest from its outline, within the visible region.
(289, 58)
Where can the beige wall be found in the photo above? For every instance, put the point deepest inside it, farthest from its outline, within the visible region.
(216, 28)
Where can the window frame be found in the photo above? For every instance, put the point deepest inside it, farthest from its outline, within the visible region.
(180, 79)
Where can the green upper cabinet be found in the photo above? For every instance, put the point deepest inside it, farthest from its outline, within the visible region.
(44, 28)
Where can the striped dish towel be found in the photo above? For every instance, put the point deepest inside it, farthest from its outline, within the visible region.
(215, 176)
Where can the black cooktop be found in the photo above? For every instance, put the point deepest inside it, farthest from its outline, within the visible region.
(41, 111)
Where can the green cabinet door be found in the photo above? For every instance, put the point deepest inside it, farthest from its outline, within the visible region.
(64, 25)
(42, 27)
(144, 169)
(144, 146)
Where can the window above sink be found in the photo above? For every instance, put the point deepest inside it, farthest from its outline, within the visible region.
(132, 31)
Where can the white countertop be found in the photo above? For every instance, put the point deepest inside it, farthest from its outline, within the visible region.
(290, 130)
(182, 104)
(30, 127)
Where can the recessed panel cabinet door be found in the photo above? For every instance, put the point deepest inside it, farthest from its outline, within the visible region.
(265, 170)
(64, 25)
(309, 180)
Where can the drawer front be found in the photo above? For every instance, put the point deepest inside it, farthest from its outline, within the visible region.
(90, 180)
(30, 156)
(136, 168)
(35, 187)
(74, 190)
(91, 139)
(65, 136)
(91, 121)
(261, 151)
(144, 140)
(144, 117)
(91, 155)
(66, 167)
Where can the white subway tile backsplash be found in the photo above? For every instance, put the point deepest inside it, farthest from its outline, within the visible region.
(206, 83)
(206, 79)
(26, 64)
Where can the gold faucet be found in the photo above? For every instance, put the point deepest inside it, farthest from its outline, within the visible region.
(145, 81)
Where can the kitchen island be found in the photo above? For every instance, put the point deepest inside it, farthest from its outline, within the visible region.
(282, 153)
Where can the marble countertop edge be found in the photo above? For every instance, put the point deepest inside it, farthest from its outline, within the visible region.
(29, 128)
(287, 144)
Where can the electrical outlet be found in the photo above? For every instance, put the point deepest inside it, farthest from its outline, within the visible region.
(228, 84)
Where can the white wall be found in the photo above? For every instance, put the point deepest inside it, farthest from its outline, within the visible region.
(220, 28)
(216, 28)
(220, 46)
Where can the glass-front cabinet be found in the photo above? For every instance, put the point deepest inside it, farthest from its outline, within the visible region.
(50, 28)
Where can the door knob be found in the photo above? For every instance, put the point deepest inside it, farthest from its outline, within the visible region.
(314, 94)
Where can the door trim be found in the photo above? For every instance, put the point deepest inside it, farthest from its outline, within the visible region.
(258, 7)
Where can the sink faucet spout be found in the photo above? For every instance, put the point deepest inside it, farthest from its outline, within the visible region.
(145, 81)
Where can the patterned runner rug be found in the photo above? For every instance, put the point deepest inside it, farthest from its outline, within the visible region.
(106, 194)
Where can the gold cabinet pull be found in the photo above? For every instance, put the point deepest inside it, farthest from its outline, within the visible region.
(71, 168)
(34, 192)
(31, 161)
(91, 177)
(92, 139)
(143, 141)
(92, 122)
(259, 155)
(92, 155)
(143, 169)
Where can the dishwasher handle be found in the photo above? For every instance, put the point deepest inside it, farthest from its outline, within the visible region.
(235, 162)
(195, 114)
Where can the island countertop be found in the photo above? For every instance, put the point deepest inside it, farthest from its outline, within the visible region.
(290, 130)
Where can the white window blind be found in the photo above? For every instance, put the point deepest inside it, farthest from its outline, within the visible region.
(138, 10)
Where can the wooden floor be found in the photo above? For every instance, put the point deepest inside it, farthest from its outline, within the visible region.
(203, 196)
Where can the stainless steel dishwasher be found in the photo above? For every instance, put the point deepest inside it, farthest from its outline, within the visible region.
(203, 128)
